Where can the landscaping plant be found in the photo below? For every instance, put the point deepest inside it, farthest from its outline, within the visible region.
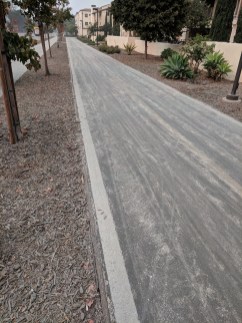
(196, 50)
(129, 48)
(216, 66)
(103, 48)
(100, 38)
(86, 40)
(167, 52)
(176, 67)
(109, 49)
(113, 50)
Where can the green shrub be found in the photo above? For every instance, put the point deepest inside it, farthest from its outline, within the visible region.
(100, 38)
(176, 67)
(103, 48)
(86, 40)
(216, 66)
(109, 49)
(129, 48)
(167, 52)
(196, 50)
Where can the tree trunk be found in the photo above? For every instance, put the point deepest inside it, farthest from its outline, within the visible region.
(48, 35)
(42, 37)
(9, 95)
(15, 106)
(146, 49)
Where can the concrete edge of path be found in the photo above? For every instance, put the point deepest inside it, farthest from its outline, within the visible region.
(120, 290)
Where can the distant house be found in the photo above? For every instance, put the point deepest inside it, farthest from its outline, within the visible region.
(83, 20)
(86, 18)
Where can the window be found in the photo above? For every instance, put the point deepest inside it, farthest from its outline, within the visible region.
(86, 23)
(86, 14)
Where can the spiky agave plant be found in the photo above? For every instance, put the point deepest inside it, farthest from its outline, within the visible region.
(216, 66)
(176, 67)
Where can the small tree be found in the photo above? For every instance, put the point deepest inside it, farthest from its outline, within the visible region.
(196, 50)
(153, 20)
(13, 47)
(222, 22)
(40, 11)
(107, 29)
(61, 13)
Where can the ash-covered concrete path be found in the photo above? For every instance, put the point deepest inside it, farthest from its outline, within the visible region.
(172, 171)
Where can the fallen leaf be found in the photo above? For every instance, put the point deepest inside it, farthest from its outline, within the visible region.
(89, 302)
(91, 289)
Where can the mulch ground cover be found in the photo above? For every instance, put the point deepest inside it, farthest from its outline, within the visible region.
(47, 266)
(203, 89)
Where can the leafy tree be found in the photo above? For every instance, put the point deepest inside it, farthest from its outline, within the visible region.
(61, 13)
(13, 47)
(198, 15)
(92, 29)
(20, 48)
(70, 27)
(196, 50)
(238, 36)
(40, 11)
(153, 20)
(116, 29)
(222, 22)
(107, 29)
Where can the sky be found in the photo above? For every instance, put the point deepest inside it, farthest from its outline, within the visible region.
(76, 5)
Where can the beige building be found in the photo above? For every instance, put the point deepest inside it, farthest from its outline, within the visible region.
(83, 20)
(101, 15)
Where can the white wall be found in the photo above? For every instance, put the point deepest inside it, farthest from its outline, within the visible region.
(232, 54)
(154, 48)
(120, 41)
(231, 51)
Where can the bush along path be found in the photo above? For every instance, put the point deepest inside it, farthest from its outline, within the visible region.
(47, 268)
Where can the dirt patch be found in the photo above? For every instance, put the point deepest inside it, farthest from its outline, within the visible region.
(203, 89)
(47, 267)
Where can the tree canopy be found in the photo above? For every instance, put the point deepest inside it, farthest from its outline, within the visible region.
(153, 20)
(222, 22)
(198, 14)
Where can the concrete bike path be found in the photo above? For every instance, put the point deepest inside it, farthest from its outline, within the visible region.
(172, 173)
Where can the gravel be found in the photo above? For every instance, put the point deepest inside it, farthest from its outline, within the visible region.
(47, 264)
(203, 89)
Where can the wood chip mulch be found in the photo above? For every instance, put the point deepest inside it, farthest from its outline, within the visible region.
(47, 267)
